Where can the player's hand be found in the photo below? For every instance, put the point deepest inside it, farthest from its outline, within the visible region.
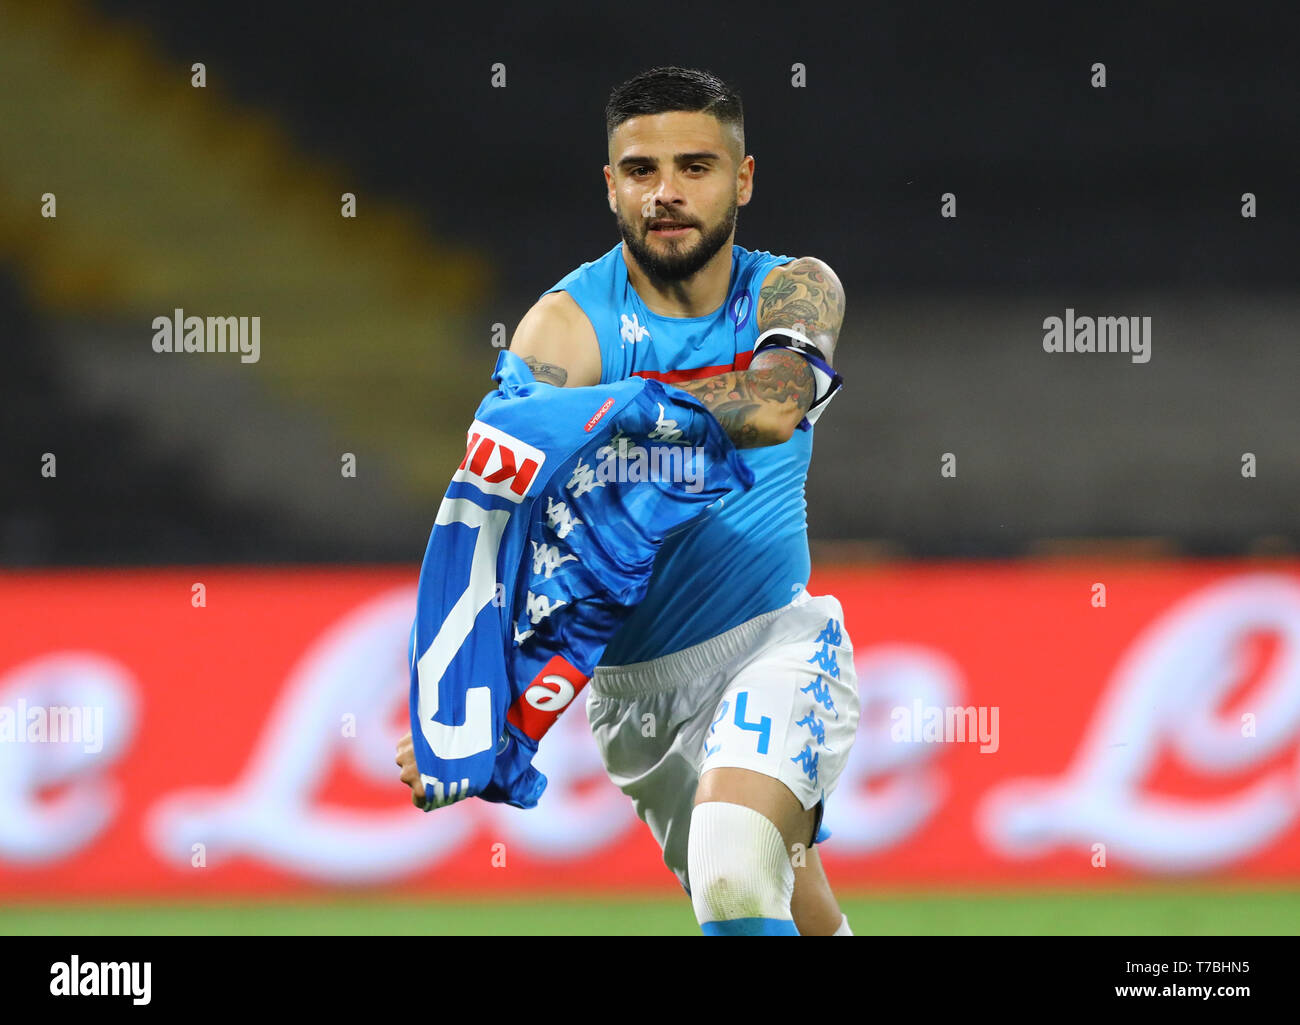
(410, 773)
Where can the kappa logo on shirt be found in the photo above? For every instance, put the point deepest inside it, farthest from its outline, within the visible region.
(497, 463)
(633, 330)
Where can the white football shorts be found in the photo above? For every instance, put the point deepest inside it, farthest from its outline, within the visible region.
(777, 694)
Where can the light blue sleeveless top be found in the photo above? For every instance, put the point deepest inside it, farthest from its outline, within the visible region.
(749, 554)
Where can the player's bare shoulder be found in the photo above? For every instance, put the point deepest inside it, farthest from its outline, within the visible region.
(555, 338)
(804, 294)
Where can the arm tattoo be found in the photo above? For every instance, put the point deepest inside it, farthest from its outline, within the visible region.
(740, 398)
(547, 373)
(805, 295)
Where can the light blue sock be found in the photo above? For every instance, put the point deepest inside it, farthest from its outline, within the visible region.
(751, 927)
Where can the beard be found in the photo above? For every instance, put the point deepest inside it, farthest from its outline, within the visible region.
(676, 263)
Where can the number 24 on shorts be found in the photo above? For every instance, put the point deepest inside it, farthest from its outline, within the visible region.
(762, 726)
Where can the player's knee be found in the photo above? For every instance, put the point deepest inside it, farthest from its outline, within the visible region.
(739, 870)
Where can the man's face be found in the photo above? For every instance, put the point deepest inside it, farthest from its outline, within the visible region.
(675, 182)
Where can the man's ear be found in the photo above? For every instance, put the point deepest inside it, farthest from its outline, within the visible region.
(746, 190)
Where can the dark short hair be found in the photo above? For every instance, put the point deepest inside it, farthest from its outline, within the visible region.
(661, 90)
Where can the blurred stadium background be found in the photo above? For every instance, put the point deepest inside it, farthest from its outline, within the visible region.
(1147, 773)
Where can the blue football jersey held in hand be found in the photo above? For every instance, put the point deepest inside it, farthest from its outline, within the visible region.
(544, 542)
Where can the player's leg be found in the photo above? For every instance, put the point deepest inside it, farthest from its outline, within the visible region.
(814, 907)
(740, 880)
(776, 745)
(768, 696)
(648, 734)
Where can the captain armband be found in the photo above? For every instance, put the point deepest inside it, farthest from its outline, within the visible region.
(828, 382)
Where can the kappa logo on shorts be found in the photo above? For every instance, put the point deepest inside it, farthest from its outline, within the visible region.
(821, 693)
(830, 637)
(825, 658)
(815, 726)
(550, 693)
(497, 463)
(807, 761)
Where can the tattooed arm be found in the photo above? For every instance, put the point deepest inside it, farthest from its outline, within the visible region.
(558, 343)
(764, 404)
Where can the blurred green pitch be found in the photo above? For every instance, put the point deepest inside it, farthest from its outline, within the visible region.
(1148, 910)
